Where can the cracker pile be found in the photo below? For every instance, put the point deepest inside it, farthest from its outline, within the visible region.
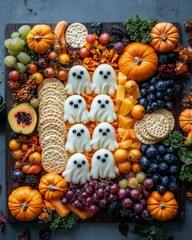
(154, 127)
(75, 35)
(51, 125)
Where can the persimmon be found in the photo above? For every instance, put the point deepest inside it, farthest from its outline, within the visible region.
(124, 167)
(120, 155)
(134, 155)
(130, 86)
(138, 111)
(135, 167)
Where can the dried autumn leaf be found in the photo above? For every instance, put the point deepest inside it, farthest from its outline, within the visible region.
(25, 235)
(181, 68)
(2, 221)
(186, 54)
(45, 234)
(124, 229)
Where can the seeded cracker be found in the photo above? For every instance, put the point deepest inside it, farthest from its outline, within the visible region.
(140, 137)
(157, 125)
(75, 35)
(169, 117)
(142, 129)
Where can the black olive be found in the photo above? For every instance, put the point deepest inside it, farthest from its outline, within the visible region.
(100, 130)
(81, 72)
(82, 130)
(108, 73)
(79, 101)
(74, 74)
(108, 130)
(106, 155)
(107, 101)
(71, 103)
(75, 161)
(74, 131)
(83, 162)
(98, 157)
(99, 101)
(100, 72)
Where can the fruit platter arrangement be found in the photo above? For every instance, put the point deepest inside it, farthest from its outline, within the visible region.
(92, 115)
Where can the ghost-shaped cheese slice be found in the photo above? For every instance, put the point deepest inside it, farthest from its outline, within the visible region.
(79, 80)
(102, 109)
(104, 80)
(78, 139)
(103, 165)
(77, 169)
(75, 110)
(104, 137)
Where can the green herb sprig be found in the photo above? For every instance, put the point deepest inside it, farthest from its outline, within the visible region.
(63, 223)
(139, 30)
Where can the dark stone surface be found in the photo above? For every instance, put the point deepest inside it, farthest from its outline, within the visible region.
(47, 11)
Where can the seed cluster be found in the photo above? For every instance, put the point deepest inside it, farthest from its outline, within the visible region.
(23, 118)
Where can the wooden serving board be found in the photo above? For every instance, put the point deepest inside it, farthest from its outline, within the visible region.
(100, 217)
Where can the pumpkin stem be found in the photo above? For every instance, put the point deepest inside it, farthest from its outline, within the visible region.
(163, 37)
(162, 205)
(138, 60)
(52, 188)
(24, 206)
(38, 38)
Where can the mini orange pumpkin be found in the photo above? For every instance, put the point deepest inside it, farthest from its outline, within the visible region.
(162, 207)
(40, 38)
(185, 120)
(138, 62)
(164, 37)
(52, 186)
(25, 203)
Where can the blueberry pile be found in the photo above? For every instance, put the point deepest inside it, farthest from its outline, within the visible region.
(156, 93)
(160, 163)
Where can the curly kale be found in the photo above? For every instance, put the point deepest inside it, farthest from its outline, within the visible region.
(139, 30)
(63, 223)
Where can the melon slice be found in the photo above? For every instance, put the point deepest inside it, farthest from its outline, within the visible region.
(22, 118)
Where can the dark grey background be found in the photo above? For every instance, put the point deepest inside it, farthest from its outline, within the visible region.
(52, 11)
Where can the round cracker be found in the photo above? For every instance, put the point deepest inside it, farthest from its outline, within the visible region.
(166, 113)
(50, 108)
(140, 137)
(51, 87)
(142, 129)
(59, 148)
(50, 101)
(75, 35)
(48, 119)
(49, 126)
(49, 133)
(49, 92)
(53, 112)
(157, 125)
(54, 161)
(59, 98)
(52, 140)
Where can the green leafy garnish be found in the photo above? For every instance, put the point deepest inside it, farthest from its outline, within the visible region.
(150, 232)
(175, 140)
(34, 56)
(186, 173)
(63, 223)
(139, 30)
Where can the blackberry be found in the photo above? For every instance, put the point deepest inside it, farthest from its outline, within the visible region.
(120, 34)
(96, 28)
(113, 209)
(126, 213)
(167, 58)
(177, 92)
(31, 180)
(163, 58)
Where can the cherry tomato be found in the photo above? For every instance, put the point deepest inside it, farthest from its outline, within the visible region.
(14, 144)
(32, 68)
(38, 149)
(62, 75)
(64, 58)
(24, 147)
(18, 165)
(17, 154)
(52, 55)
(35, 158)
(84, 52)
(42, 62)
(22, 138)
(31, 169)
(37, 77)
(49, 72)
(90, 38)
(14, 75)
(104, 38)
